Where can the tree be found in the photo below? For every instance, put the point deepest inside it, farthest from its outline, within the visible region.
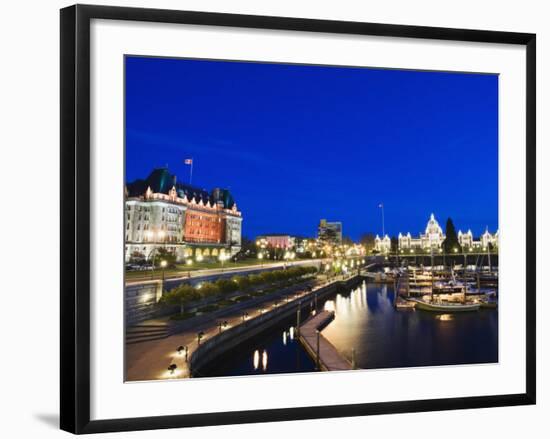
(347, 240)
(451, 239)
(137, 256)
(181, 296)
(226, 286)
(267, 277)
(255, 279)
(243, 282)
(208, 289)
(248, 249)
(367, 240)
(163, 254)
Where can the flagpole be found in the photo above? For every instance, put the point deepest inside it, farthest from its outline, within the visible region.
(191, 173)
(383, 222)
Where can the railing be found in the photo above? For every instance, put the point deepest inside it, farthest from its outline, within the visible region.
(219, 343)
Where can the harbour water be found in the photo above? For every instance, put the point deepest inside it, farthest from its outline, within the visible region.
(383, 337)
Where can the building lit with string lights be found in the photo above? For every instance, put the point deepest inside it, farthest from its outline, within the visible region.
(433, 238)
(190, 222)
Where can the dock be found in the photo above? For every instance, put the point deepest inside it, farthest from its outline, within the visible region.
(328, 358)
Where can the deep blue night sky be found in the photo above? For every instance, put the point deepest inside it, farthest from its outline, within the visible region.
(298, 143)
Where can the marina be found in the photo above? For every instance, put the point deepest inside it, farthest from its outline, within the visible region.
(365, 327)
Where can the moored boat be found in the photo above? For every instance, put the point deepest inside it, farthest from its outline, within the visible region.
(447, 307)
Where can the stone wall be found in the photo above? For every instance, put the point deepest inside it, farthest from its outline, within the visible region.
(140, 301)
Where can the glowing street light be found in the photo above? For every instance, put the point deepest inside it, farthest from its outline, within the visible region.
(163, 265)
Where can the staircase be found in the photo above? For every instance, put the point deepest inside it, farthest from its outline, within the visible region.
(147, 331)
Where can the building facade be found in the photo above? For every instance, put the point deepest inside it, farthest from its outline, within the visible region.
(330, 232)
(286, 242)
(184, 220)
(433, 238)
(382, 245)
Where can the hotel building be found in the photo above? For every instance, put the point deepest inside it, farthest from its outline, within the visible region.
(190, 222)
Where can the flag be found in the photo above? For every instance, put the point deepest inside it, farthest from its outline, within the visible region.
(188, 161)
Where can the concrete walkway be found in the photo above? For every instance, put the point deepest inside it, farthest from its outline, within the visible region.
(329, 357)
(149, 360)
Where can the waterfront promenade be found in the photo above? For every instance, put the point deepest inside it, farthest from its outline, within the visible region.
(150, 360)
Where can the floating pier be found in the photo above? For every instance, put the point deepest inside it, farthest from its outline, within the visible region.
(318, 347)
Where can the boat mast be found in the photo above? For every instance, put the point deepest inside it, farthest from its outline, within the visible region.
(432, 271)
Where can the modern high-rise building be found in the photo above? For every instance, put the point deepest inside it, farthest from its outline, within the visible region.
(330, 232)
(160, 212)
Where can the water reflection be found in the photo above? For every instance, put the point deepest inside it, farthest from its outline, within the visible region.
(276, 350)
(256, 359)
(367, 321)
(444, 317)
(264, 360)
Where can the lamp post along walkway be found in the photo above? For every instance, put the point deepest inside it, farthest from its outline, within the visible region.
(150, 360)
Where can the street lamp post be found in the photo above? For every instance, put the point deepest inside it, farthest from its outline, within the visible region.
(163, 264)
(222, 259)
(381, 206)
(489, 256)
(261, 258)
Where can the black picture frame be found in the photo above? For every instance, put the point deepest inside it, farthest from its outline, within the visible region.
(75, 217)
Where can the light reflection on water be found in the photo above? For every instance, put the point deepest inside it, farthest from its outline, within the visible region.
(444, 317)
(264, 361)
(367, 321)
(256, 359)
(274, 351)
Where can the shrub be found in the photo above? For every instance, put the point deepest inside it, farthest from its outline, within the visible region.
(181, 295)
(279, 275)
(243, 282)
(255, 279)
(267, 277)
(226, 286)
(208, 289)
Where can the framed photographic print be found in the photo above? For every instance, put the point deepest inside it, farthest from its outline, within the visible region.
(268, 218)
